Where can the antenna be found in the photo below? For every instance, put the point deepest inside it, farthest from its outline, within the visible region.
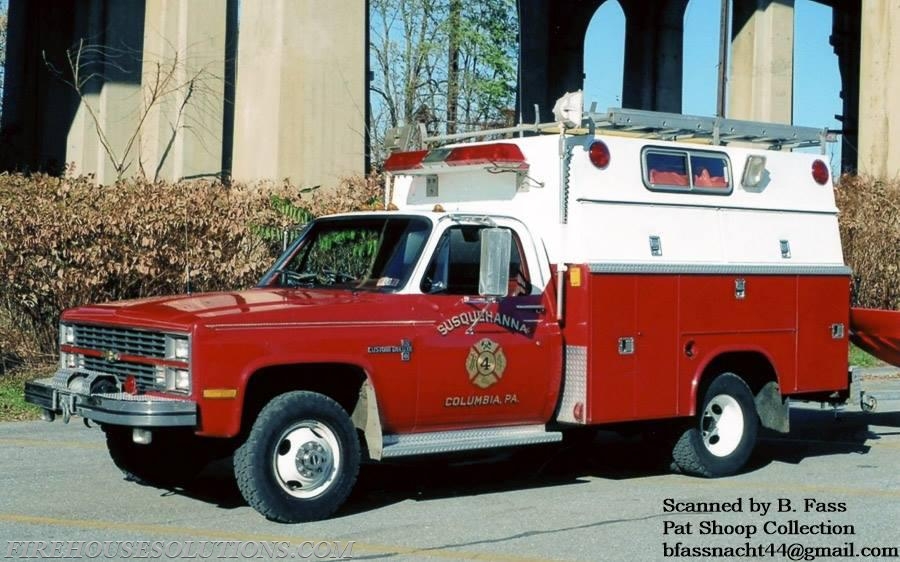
(187, 265)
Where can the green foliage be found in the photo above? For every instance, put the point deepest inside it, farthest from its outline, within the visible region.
(348, 252)
(296, 214)
(412, 43)
(860, 358)
(12, 399)
(488, 56)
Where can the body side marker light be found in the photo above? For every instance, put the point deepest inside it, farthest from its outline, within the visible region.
(220, 393)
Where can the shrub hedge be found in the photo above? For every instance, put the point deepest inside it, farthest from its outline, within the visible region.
(870, 233)
(67, 241)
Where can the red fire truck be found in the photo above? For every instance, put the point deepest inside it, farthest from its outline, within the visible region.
(602, 269)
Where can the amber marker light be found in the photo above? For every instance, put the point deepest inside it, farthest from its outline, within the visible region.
(220, 393)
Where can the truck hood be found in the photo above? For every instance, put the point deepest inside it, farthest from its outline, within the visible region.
(255, 305)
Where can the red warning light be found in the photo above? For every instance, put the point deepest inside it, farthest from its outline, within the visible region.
(820, 172)
(599, 154)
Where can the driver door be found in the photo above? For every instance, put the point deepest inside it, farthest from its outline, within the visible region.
(485, 362)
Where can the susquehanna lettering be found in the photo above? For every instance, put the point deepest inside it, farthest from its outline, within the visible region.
(482, 316)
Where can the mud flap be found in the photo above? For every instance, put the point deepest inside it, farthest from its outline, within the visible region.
(366, 418)
(773, 409)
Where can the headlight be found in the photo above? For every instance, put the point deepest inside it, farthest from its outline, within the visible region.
(66, 334)
(182, 380)
(178, 347)
(71, 360)
(172, 379)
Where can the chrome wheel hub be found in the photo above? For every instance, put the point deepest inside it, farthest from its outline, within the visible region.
(722, 425)
(307, 459)
(312, 459)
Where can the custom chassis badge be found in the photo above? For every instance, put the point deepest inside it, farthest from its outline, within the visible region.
(485, 363)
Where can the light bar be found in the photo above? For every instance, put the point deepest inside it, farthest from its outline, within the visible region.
(500, 154)
(398, 161)
(507, 156)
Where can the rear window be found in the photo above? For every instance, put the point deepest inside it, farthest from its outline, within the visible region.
(686, 170)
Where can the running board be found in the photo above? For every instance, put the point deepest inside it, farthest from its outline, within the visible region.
(466, 440)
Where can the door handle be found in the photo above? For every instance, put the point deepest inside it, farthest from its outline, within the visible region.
(539, 308)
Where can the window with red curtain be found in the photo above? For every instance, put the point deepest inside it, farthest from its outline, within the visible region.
(687, 170)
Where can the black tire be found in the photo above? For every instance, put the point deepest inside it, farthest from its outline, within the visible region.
(172, 458)
(319, 452)
(724, 434)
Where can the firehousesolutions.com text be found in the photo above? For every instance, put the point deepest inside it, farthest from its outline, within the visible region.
(165, 550)
(780, 528)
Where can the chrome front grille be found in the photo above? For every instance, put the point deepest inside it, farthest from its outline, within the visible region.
(125, 341)
(143, 374)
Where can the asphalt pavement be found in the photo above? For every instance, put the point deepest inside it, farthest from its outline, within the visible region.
(834, 477)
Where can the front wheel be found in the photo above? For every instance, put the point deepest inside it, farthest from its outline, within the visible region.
(300, 460)
(721, 440)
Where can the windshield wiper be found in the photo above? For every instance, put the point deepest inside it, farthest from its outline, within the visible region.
(291, 278)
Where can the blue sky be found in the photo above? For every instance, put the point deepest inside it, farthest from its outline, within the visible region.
(817, 81)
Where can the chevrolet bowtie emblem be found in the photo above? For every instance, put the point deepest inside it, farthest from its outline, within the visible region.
(111, 356)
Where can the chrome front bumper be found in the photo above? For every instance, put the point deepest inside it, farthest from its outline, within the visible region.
(115, 408)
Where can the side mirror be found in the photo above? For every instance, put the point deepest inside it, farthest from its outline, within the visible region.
(493, 277)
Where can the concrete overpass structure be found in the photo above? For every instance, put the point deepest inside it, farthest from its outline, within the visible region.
(284, 97)
(281, 90)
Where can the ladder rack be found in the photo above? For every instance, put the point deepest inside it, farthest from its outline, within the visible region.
(716, 130)
(655, 125)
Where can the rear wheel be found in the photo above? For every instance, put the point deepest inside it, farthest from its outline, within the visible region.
(300, 460)
(172, 458)
(721, 440)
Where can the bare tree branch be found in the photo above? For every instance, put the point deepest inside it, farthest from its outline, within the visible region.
(162, 79)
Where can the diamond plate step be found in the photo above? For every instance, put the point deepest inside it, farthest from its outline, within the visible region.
(466, 440)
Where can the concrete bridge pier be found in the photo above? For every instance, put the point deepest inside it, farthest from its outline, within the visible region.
(845, 39)
(300, 106)
(185, 55)
(552, 53)
(761, 86)
(654, 52)
(551, 62)
(45, 126)
(112, 35)
(879, 84)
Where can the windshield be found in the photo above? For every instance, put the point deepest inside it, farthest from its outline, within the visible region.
(363, 253)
